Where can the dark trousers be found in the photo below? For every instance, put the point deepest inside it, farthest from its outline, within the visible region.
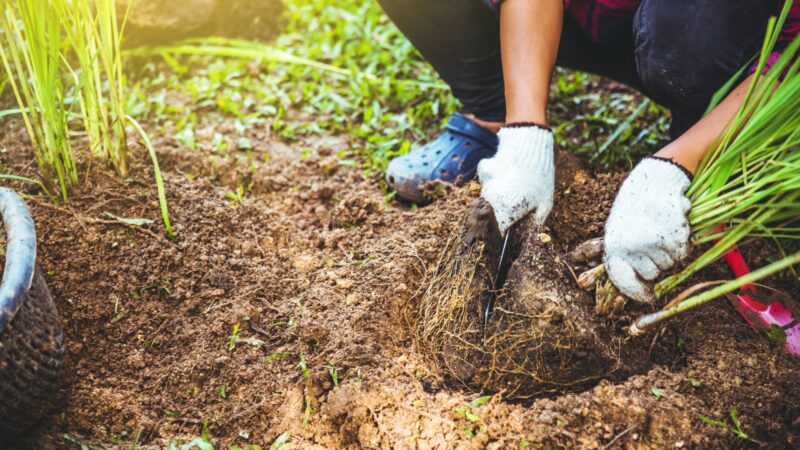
(679, 52)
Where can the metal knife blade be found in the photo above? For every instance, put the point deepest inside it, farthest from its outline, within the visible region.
(499, 279)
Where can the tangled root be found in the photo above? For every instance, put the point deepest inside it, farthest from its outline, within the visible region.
(542, 336)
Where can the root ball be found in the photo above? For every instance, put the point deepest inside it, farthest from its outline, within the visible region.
(542, 336)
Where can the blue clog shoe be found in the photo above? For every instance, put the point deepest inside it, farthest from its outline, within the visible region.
(452, 157)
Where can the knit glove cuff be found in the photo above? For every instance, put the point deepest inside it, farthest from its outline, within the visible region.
(526, 145)
(664, 172)
(520, 178)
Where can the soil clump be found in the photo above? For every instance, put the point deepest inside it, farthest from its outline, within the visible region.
(542, 335)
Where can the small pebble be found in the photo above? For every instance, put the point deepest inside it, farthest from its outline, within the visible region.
(344, 283)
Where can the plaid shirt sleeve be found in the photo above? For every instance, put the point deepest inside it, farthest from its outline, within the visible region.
(602, 20)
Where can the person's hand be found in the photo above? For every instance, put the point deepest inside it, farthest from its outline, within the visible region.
(520, 178)
(647, 231)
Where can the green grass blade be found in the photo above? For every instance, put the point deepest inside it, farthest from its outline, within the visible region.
(162, 196)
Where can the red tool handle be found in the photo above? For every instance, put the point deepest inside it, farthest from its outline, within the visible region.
(762, 315)
(738, 265)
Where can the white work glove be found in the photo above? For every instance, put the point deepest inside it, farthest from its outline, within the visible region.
(647, 231)
(520, 178)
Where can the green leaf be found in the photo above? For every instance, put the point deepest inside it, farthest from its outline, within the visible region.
(281, 442)
(657, 392)
(234, 337)
(244, 143)
(277, 355)
(128, 220)
(712, 422)
(777, 335)
(480, 401)
(254, 341)
(304, 367)
(471, 417)
(735, 419)
(75, 441)
(8, 176)
(334, 373)
(198, 443)
(162, 196)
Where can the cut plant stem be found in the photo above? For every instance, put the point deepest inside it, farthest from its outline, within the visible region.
(647, 322)
(607, 298)
(587, 280)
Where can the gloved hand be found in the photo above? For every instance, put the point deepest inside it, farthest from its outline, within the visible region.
(520, 178)
(647, 231)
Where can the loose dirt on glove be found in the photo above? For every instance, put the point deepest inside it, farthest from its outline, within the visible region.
(543, 336)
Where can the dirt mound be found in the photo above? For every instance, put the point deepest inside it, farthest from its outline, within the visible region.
(542, 335)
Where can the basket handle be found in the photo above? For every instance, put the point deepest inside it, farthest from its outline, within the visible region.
(20, 254)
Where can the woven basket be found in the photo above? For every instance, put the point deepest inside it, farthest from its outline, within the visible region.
(31, 339)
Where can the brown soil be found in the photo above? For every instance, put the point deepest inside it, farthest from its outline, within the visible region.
(316, 267)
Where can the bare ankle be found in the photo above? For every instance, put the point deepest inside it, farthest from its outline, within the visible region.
(492, 126)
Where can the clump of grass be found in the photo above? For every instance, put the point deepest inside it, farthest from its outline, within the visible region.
(94, 37)
(32, 58)
(59, 49)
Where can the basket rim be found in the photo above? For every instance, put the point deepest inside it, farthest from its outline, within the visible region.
(20, 254)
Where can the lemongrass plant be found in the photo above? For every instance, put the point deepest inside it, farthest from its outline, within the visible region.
(94, 36)
(31, 58)
(54, 49)
(748, 185)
